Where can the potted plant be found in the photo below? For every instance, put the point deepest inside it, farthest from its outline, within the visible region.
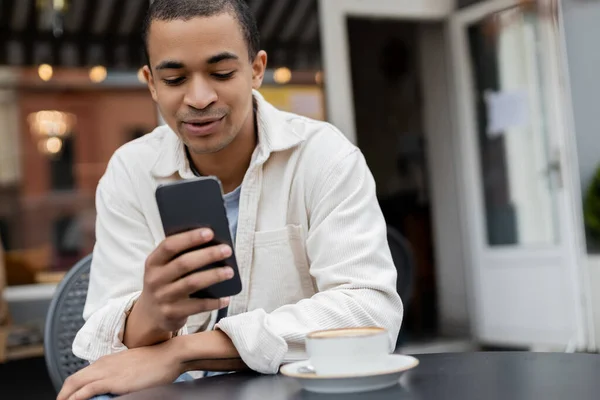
(591, 212)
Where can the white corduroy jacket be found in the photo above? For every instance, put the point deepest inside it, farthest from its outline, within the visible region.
(311, 241)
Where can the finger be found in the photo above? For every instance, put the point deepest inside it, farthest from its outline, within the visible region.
(90, 390)
(76, 381)
(189, 262)
(183, 287)
(65, 393)
(175, 244)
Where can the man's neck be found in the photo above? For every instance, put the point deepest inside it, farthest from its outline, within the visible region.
(231, 163)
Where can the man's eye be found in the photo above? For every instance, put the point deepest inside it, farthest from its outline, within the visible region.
(174, 81)
(224, 76)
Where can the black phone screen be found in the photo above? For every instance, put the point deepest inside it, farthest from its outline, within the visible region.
(195, 203)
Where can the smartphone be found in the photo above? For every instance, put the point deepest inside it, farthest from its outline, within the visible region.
(198, 203)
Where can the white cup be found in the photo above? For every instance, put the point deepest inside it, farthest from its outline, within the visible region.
(348, 351)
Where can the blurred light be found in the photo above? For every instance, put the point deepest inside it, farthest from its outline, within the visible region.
(45, 72)
(319, 78)
(58, 5)
(51, 123)
(54, 145)
(282, 75)
(140, 75)
(50, 146)
(98, 74)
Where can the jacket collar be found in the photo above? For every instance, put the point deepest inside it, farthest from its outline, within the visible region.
(274, 134)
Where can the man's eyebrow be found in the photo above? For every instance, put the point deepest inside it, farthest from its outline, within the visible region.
(222, 57)
(169, 64)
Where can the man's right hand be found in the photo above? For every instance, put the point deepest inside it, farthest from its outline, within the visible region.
(165, 303)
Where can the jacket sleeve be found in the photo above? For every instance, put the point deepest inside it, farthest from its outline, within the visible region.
(123, 241)
(351, 264)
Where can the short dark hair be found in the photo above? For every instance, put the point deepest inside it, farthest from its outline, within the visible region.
(170, 10)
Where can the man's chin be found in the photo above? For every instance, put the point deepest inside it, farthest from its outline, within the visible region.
(205, 148)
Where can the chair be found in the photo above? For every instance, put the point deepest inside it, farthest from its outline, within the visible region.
(402, 256)
(63, 321)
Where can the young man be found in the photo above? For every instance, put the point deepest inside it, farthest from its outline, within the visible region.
(310, 238)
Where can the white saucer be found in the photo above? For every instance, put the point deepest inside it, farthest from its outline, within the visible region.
(388, 375)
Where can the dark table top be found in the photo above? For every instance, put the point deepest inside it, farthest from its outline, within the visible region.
(461, 376)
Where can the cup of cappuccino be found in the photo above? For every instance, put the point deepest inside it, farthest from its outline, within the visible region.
(348, 351)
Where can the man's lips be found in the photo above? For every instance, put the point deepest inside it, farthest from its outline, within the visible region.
(202, 127)
(201, 121)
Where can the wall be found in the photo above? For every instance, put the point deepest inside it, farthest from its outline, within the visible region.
(580, 19)
(306, 100)
(581, 29)
(9, 137)
(10, 171)
(105, 120)
(594, 271)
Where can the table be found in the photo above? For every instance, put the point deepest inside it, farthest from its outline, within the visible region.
(27, 306)
(461, 376)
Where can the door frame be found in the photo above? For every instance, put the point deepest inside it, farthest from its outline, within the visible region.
(450, 262)
(576, 191)
(336, 49)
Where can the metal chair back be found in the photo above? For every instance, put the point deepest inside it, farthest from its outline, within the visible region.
(63, 321)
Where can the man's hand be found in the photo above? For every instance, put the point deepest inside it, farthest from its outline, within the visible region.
(164, 304)
(146, 367)
(125, 372)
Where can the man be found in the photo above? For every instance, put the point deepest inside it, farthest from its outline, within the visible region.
(310, 239)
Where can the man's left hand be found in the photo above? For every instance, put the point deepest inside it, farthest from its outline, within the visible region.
(125, 372)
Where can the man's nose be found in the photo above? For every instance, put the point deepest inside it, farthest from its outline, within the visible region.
(200, 94)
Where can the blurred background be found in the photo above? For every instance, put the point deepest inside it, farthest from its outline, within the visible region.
(478, 120)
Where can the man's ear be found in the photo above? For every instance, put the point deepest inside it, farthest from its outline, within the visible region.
(259, 66)
(150, 79)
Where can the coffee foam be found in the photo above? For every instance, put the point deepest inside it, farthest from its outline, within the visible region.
(346, 332)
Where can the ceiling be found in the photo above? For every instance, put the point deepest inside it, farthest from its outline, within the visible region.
(107, 32)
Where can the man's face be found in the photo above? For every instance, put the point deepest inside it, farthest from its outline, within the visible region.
(202, 79)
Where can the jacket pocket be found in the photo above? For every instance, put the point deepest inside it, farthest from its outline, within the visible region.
(280, 270)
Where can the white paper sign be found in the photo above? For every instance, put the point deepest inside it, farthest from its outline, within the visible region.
(508, 109)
